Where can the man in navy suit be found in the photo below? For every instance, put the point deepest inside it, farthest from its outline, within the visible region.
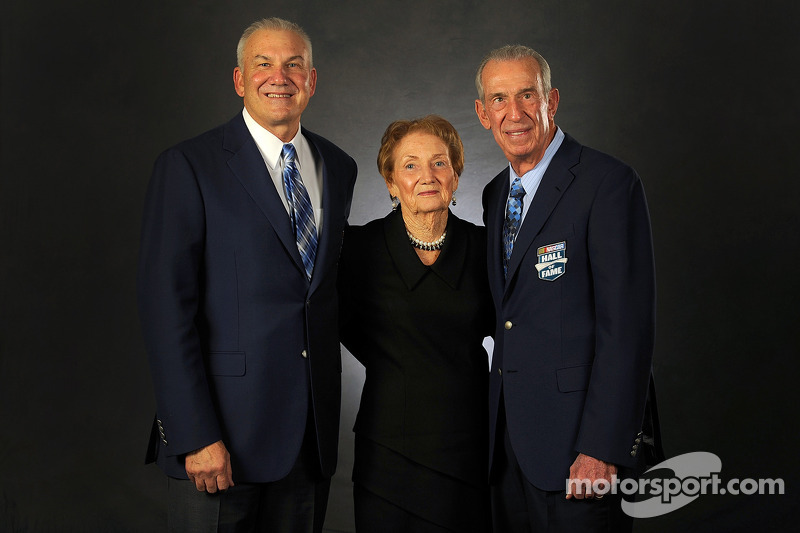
(572, 276)
(237, 297)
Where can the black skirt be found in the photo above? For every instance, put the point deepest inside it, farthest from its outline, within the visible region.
(436, 497)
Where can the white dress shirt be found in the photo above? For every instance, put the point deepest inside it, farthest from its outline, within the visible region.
(308, 162)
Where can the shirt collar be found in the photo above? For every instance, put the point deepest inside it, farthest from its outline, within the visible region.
(448, 266)
(271, 146)
(538, 171)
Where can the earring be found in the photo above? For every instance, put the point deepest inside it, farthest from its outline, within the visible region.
(454, 197)
(395, 202)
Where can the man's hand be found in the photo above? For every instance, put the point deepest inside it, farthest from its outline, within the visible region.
(210, 468)
(588, 468)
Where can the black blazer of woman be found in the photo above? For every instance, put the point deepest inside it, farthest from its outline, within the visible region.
(418, 331)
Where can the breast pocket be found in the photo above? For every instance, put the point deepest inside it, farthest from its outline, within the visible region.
(554, 234)
(552, 249)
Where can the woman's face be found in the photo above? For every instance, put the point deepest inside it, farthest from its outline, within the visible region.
(423, 177)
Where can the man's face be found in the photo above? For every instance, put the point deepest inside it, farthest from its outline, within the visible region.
(516, 110)
(275, 80)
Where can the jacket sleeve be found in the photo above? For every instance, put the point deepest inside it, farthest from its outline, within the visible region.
(623, 272)
(169, 290)
(350, 290)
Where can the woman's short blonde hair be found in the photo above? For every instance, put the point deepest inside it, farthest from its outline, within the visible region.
(433, 124)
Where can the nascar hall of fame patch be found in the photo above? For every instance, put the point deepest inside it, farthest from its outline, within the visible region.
(552, 261)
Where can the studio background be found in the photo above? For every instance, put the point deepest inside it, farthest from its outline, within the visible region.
(701, 97)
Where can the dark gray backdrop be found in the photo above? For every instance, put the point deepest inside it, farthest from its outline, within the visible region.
(700, 97)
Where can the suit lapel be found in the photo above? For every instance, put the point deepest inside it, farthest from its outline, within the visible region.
(333, 203)
(248, 166)
(554, 183)
(405, 260)
(448, 266)
(495, 218)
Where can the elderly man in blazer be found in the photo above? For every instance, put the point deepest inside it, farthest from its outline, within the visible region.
(571, 271)
(237, 296)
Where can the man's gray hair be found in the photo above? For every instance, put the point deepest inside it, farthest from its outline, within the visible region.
(272, 24)
(514, 52)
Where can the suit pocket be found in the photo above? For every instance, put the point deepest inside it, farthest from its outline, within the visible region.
(226, 363)
(574, 378)
(553, 235)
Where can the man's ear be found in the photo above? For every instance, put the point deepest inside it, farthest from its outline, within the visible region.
(238, 81)
(552, 103)
(312, 82)
(480, 110)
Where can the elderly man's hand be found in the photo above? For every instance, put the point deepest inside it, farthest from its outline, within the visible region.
(210, 468)
(588, 468)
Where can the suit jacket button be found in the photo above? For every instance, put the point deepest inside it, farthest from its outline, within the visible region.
(633, 453)
(304, 354)
(500, 371)
(509, 325)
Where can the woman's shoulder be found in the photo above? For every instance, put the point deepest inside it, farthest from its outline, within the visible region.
(362, 240)
(471, 230)
(373, 226)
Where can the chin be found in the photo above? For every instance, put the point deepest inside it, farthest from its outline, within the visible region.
(433, 208)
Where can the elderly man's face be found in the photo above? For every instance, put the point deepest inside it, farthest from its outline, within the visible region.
(514, 107)
(275, 80)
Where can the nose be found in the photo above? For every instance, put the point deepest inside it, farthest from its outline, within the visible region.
(514, 110)
(278, 76)
(427, 175)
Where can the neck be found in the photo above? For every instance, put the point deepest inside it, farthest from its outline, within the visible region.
(529, 162)
(523, 167)
(426, 226)
(284, 132)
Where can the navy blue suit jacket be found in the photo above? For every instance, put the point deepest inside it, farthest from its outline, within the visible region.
(239, 341)
(573, 347)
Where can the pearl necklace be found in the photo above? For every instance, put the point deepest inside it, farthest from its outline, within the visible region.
(428, 246)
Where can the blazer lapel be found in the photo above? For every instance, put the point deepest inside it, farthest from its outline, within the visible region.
(333, 203)
(448, 266)
(248, 166)
(555, 182)
(451, 262)
(495, 218)
(405, 260)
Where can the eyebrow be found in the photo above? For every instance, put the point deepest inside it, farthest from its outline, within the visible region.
(528, 90)
(521, 91)
(412, 156)
(297, 58)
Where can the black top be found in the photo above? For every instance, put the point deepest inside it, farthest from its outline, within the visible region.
(418, 330)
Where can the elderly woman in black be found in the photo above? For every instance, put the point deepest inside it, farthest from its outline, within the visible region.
(415, 309)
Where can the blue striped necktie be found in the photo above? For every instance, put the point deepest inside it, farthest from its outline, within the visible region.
(513, 220)
(300, 210)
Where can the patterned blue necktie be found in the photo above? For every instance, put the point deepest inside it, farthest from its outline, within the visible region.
(300, 210)
(513, 220)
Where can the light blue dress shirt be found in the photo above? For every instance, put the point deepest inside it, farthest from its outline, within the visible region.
(532, 178)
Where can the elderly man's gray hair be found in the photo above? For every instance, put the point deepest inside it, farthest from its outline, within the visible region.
(272, 24)
(514, 52)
